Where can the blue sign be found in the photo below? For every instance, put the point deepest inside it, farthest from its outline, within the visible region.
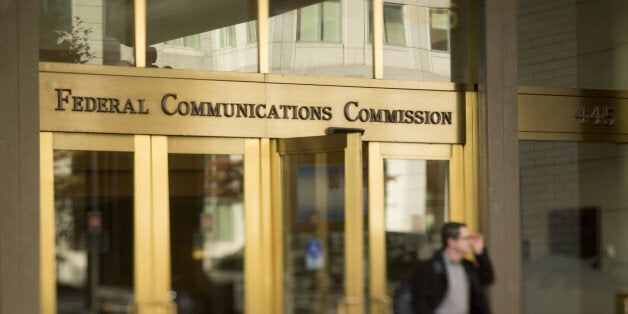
(314, 255)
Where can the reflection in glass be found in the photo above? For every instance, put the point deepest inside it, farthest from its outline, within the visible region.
(394, 33)
(93, 231)
(320, 38)
(440, 36)
(574, 218)
(313, 198)
(203, 35)
(88, 32)
(429, 41)
(578, 44)
(416, 205)
(207, 232)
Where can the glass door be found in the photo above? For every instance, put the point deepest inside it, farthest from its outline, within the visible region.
(410, 197)
(90, 231)
(212, 248)
(320, 265)
(149, 224)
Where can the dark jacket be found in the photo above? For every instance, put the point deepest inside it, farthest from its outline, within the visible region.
(429, 283)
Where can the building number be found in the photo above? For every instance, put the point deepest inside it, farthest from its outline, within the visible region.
(600, 115)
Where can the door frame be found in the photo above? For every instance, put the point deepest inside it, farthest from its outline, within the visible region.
(351, 145)
(379, 299)
(152, 272)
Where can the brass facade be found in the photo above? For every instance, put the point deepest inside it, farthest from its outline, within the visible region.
(131, 101)
(572, 114)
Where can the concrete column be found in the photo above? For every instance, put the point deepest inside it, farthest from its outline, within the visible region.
(499, 149)
(19, 157)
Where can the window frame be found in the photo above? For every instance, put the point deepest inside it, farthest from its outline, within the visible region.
(321, 23)
(389, 5)
(446, 11)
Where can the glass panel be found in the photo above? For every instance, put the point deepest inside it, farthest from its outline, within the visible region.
(416, 206)
(207, 232)
(331, 21)
(251, 32)
(100, 32)
(313, 202)
(228, 37)
(94, 231)
(309, 23)
(574, 217)
(305, 38)
(393, 25)
(438, 44)
(216, 36)
(567, 43)
(439, 29)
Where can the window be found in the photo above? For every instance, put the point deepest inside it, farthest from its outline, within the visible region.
(320, 22)
(440, 29)
(251, 32)
(192, 41)
(393, 25)
(228, 37)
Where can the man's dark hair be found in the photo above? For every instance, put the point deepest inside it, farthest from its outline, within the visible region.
(450, 230)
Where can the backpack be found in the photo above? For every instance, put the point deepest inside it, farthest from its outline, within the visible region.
(402, 301)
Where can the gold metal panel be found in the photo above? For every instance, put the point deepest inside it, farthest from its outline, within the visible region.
(415, 151)
(576, 92)
(200, 145)
(51, 67)
(147, 91)
(456, 185)
(558, 113)
(133, 102)
(338, 99)
(547, 136)
(354, 226)
(143, 269)
(93, 142)
(47, 264)
(471, 165)
(266, 233)
(290, 146)
(253, 271)
(160, 202)
(277, 228)
(368, 83)
(377, 230)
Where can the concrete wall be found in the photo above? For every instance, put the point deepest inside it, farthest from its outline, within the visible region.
(563, 177)
(569, 43)
(19, 157)
(498, 149)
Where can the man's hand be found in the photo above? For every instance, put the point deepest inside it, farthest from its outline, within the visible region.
(477, 243)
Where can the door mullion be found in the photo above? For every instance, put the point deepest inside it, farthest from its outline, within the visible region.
(143, 270)
(354, 224)
(48, 293)
(160, 200)
(253, 265)
(377, 233)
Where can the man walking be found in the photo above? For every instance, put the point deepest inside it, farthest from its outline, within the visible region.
(450, 284)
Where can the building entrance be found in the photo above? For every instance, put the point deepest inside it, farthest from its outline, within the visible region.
(167, 224)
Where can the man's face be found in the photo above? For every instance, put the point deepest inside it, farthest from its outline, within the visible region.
(462, 244)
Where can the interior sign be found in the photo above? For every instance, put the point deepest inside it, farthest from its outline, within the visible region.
(600, 115)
